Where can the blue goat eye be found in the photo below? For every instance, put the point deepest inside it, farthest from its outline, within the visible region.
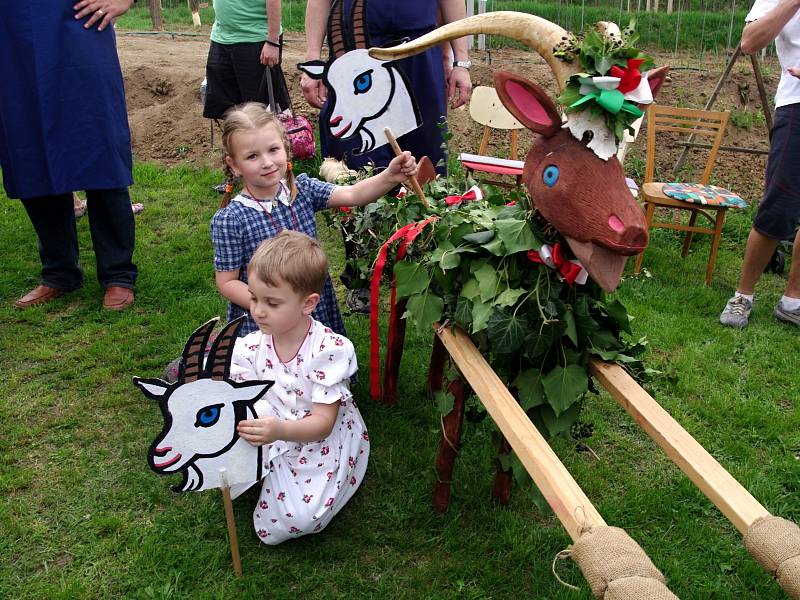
(208, 415)
(550, 175)
(363, 82)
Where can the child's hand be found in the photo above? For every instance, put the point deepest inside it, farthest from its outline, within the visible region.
(260, 431)
(402, 167)
(794, 71)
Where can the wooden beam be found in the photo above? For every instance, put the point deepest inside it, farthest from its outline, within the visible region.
(559, 489)
(735, 502)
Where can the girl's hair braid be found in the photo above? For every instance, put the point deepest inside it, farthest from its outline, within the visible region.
(230, 179)
(248, 117)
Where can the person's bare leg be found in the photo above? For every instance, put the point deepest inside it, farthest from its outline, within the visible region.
(793, 285)
(757, 254)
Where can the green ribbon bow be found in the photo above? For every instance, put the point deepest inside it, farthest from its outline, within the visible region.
(612, 101)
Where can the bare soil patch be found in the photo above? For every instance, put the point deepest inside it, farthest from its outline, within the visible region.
(163, 75)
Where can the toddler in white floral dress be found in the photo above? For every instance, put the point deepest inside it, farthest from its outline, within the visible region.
(316, 441)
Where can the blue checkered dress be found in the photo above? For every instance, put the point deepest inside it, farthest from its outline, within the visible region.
(237, 230)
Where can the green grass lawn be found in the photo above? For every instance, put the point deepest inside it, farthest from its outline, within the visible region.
(82, 516)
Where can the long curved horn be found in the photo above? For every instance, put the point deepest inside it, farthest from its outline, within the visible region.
(336, 39)
(535, 32)
(359, 19)
(222, 349)
(192, 364)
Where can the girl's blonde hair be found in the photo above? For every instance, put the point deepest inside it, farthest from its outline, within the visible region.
(250, 116)
(293, 257)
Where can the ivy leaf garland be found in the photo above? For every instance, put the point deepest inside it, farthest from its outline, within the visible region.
(470, 267)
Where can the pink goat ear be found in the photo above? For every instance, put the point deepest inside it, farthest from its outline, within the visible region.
(656, 79)
(529, 103)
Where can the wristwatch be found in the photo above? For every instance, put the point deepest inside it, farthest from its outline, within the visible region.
(464, 64)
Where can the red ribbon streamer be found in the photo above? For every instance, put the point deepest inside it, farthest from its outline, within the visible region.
(568, 269)
(630, 77)
(408, 233)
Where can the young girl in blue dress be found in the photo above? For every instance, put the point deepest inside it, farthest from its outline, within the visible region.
(272, 199)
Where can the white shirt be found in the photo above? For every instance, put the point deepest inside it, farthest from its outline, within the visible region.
(788, 46)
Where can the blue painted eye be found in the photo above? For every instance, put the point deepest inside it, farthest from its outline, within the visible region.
(550, 175)
(208, 416)
(363, 82)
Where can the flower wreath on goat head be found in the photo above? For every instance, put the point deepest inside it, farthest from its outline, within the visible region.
(606, 96)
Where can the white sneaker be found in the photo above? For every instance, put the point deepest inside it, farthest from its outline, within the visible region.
(737, 312)
(787, 316)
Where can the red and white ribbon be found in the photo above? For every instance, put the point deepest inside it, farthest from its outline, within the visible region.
(553, 256)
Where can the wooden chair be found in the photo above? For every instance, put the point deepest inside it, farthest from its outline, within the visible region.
(697, 124)
(486, 109)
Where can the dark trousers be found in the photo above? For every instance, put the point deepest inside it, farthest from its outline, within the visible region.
(235, 74)
(111, 225)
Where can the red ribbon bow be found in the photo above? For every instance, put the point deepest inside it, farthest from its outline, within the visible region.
(630, 77)
(568, 269)
(472, 193)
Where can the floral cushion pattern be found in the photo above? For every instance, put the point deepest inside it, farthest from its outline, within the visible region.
(696, 193)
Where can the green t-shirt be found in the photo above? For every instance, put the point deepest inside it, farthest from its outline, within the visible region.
(237, 21)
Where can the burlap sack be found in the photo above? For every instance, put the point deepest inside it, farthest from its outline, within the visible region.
(616, 568)
(775, 543)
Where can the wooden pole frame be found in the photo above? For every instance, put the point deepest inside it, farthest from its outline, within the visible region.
(719, 486)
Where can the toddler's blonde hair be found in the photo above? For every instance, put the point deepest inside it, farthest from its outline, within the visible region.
(250, 116)
(293, 257)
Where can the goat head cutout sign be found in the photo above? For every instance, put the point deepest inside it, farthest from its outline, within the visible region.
(365, 94)
(201, 411)
(580, 191)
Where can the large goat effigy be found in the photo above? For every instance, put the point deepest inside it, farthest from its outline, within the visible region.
(576, 183)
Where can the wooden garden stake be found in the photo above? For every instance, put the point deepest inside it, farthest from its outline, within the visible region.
(414, 183)
(234, 540)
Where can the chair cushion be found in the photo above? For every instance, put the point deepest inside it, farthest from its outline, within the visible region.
(697, 193)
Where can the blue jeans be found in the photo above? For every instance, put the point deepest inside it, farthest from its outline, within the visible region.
(112, 228)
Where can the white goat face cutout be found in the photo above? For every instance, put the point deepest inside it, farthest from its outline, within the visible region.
(603, 142)
(199, 435)
(365, 96)
(200, 414)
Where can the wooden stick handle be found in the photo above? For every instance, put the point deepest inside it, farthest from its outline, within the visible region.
(706, 473)
(397, 152)
(234, 539)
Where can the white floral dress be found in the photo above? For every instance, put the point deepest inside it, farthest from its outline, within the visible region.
(306, 483)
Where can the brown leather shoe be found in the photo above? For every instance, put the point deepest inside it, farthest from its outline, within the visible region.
(117, 298)
(39, 295)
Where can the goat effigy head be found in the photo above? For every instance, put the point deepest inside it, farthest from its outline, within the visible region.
(202, 408)
(571, 171)
(365, 93)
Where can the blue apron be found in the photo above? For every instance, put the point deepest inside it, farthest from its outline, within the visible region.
(390, 21)
(63, 119)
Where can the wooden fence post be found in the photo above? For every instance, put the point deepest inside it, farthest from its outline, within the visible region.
(194, 6)
(155, 15)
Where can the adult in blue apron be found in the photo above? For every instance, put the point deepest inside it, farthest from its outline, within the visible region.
(389, 21)
(64, 127)
(432, 81)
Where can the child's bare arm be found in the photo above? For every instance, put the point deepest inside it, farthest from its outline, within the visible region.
(234, 290)
(266, 430)
(399, 170)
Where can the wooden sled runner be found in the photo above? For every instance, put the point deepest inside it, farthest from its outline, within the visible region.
(613, 564)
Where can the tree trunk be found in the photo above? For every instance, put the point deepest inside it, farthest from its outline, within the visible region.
(669, 7)
(155, 15)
